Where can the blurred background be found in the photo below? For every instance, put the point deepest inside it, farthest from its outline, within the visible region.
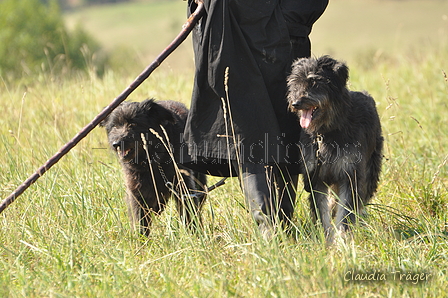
(60, 36)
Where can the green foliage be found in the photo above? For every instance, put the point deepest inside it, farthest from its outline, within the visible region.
(34, 39)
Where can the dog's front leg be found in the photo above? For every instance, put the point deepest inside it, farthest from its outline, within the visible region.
(345, 215)
(143, 202)
(321, 206)
(139, 214)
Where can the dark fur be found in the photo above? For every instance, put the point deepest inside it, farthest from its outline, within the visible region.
(145, 192)
(351, 150)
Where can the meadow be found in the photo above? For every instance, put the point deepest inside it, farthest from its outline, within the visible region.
(69, 235)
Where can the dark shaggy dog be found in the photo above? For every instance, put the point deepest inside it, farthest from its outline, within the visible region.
(151, 175)
(342, 143)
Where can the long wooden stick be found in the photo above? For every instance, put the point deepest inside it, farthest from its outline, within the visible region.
(186, 29)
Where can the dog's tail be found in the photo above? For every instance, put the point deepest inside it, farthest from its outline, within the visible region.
(374, 169)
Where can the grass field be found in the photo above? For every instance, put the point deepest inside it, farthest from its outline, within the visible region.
(349, 29)
(69, 235)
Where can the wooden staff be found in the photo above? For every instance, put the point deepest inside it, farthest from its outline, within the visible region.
(186, 29)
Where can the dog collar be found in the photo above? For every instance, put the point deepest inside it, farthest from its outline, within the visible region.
(319, 140)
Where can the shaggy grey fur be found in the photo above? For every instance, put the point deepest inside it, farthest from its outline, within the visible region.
(148, 181)
(341, 144)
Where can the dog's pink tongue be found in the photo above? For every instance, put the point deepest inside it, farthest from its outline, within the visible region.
(305, 118)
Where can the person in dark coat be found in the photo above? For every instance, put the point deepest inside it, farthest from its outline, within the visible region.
(239, 124)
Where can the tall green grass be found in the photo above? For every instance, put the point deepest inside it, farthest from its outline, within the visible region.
(68, 235)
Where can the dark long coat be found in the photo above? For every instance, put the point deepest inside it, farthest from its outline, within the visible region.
(243, 53)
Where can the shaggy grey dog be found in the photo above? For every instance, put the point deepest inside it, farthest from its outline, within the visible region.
(341, 144)
(151, 175)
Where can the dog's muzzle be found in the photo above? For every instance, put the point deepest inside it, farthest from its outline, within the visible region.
(124, 151)
(297, 105)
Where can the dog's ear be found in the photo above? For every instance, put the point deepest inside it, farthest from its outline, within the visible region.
(103, 122)
(338, 68)
(156, 111)
(106, 120)
(342, 71)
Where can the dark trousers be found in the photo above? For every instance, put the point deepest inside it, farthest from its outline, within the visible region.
(270, 192)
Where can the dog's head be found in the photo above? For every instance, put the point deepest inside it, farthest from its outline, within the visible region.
(317, 92)
(126, 124)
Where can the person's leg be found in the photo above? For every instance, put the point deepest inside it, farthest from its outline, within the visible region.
(286, 184)
(269, 192)
(256, 186)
